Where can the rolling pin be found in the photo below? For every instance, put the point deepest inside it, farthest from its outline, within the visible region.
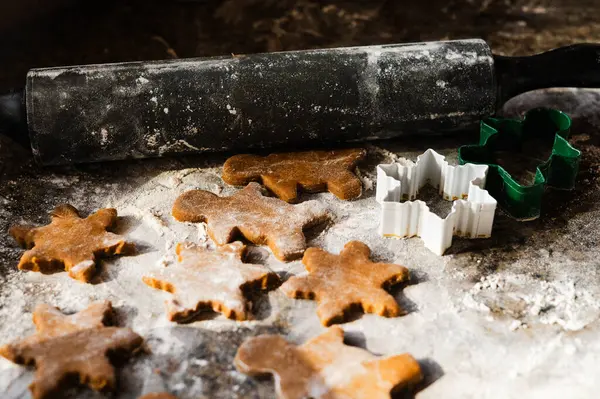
(287, 100)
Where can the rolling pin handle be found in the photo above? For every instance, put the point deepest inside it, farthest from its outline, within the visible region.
(571, 66)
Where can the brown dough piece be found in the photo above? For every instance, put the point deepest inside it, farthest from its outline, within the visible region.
(70, 243)
(260, 219)
(158, 395)
(75, 345)
(326, 368)
(341, 282)
(313, 171)
(204, 279)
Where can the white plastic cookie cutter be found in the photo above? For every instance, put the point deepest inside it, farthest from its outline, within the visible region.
(472, 213)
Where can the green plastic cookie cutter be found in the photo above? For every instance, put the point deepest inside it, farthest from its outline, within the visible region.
(539, 125)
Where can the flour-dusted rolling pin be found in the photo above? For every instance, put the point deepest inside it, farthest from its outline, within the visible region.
(287, 100)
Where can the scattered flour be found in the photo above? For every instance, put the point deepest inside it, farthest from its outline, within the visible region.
(368, 179)
(103, 136)
(385, 155)
(199, 362)
(173, 182)
(63, 181)
(154, 219)
(202, 233)
(530, 301)
(168, 257)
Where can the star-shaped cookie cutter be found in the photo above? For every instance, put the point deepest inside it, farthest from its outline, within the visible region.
(473, 208)
(520, 201)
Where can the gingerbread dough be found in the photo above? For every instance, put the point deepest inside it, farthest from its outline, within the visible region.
(75, 345)
(341, 282)
(205, 279)
(313, 171)
(260, 219)
(325, 368)
(70, 243)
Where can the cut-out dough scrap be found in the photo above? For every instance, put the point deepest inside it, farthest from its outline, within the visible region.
(342, 282)
(204, 279)
(70, 243)
(260, 219)
(77, 344)
(473, 209)
(325, 368)
(313, 171)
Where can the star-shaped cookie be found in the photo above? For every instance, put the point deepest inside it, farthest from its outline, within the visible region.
(75, 345)
(260, 219)
(325, 368)
(70, 243)
(345, 281)
(217, 280)
(313, 171)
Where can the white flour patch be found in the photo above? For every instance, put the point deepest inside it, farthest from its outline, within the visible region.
(231, 110)
(169, 257)
(367, 178)
(202, 233)
(63, 181)
(530, 301)
(103, 136)
(154, 219)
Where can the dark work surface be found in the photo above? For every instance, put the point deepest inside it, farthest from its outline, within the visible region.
(560, 246)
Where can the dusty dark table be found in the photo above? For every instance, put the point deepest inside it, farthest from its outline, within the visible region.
(511, 316)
